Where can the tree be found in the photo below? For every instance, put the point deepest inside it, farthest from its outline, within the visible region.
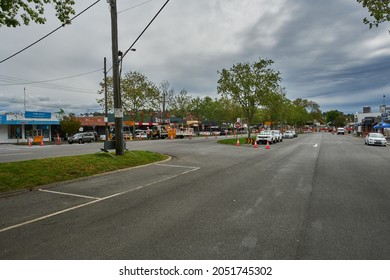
(181, 104)
(12, 12)
(248, 85)
(166, 98)
(332, 116)
(276, 105)
(69, 124)
(138, 93)
(379, 11)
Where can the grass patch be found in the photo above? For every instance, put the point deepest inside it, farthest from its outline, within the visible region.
(233, 141)
(33, 173)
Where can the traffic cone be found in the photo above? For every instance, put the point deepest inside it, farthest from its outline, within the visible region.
(255, 144)
(30, 142)
(267, 146)
(238, 142)
(42, 144)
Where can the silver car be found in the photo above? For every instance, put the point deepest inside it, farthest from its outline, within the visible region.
(82, 137)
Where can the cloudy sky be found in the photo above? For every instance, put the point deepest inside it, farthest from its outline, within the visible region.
(322, 49)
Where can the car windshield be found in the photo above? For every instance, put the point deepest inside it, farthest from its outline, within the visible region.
(265, 133)
(376, 135)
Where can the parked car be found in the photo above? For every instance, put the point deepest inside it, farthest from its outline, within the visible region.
(375, 139)
(295, 134)
(140, 134)
(278, 135)
(266, 136)
(82, 137)
(288, 134)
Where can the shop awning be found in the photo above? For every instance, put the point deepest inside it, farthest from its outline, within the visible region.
(382, 124)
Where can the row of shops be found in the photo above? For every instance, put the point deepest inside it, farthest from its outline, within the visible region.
(45, 126)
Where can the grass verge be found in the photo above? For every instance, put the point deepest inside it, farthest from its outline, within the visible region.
(33, 173)
(233, 141)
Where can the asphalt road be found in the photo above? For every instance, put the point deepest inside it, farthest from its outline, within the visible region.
(319, 196)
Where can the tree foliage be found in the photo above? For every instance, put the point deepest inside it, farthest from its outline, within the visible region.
(15, 12)
(249, 85)
(69, 124)
(379, 11)
(138, 93)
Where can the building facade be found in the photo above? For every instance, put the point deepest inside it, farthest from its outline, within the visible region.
(20, 127)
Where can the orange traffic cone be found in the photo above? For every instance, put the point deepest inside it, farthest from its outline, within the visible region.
(238, 142)
(267, 146)
(42, 142)
(255, 145)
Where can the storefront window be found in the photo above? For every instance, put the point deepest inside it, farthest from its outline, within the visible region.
(45, 130)
(14, 132)
(28, 130)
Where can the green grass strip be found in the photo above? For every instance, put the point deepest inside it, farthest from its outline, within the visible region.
(33, 173)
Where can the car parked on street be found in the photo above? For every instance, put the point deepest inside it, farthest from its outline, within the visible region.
(82, 137)
(288, 134)
(266, 137)
(278, 135)
(374, 138)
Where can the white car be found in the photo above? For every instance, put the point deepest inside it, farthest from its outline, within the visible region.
(288, 134)
(278, 135)
(266, 137)
(374, 138)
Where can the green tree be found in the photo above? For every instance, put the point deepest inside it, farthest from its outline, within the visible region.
(248, 85)
(69, 124)
(276, 105)
(138, 94)
(379, 11)
(332, 115)
(13, 12)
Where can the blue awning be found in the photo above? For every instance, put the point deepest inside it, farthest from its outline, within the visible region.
(382, 124)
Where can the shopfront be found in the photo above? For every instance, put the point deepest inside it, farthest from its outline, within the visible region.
(19, 127)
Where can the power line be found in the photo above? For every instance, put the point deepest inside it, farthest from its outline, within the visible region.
(14, 100)
(143, 31)
(47, 35)
(135, 6)
(11, 81)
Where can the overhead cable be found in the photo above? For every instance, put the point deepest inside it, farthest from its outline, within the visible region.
(47, 35)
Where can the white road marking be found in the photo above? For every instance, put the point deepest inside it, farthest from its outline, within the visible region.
(95, 199)
(70, 194)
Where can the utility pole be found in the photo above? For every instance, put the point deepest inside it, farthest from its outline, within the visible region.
(105, 100)
(118, 111)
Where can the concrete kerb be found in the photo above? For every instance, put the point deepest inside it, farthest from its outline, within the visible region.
(81, 179)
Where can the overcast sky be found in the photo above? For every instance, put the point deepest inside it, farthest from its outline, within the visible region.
(322, 49)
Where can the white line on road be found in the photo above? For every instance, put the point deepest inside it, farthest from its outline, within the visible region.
(96, 199)
(70, 194)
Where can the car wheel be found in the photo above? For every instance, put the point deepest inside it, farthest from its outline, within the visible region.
(80, 141)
